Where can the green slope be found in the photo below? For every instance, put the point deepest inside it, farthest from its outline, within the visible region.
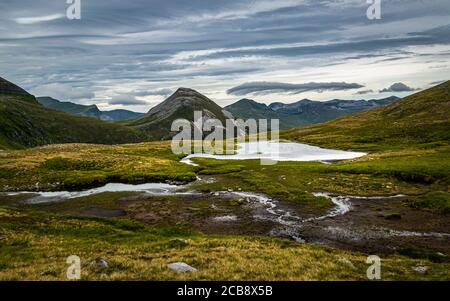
(25, 124)
(420, 119)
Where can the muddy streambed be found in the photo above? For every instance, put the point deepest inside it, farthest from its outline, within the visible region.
(368, 224)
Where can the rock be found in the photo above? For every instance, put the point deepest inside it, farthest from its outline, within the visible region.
(181, 267)
(347, 262)
(100, 263)
(420, 269)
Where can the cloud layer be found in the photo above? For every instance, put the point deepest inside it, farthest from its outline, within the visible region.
(271, 87)
(145, 48)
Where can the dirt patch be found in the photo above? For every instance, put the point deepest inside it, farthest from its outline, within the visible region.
(101, 212)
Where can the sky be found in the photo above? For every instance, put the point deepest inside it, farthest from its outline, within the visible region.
(133, 54)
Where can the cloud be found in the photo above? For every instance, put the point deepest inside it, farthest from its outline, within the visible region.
(364, 92)
(215, 45)
(437, 82)
(62, 92)
(33, 20)
(398, 87)
(158, 92)
(273, 87)
(126, 100)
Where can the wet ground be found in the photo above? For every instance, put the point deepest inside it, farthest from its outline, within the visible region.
(372, 225)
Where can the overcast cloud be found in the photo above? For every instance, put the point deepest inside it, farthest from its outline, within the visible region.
(268, 88)
(144, 49)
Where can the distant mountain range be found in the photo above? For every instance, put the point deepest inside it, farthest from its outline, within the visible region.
(87, 111)
(24, 122)
(303, 112)
(180, 105)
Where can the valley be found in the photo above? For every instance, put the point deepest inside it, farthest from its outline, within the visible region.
(139, 206)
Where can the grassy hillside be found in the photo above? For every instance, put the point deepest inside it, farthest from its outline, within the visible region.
(419, 119)
(24, 123)
(76, 166)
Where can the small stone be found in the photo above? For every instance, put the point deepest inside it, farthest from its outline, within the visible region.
(420, 269)
(100, 263)
(181, 267)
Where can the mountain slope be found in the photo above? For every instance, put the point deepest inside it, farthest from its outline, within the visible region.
(180, 105)
(26, 123)
(90, 111)
(69, 107)
(303, 112)
(421, 118)
(11, 91)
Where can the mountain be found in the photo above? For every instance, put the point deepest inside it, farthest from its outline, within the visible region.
(180, 105)
(421, 118)
(26, 123)
(89, 111)
(303, 112)
(247, 108)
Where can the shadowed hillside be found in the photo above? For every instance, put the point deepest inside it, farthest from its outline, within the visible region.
(87, 110)
(26, 123)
